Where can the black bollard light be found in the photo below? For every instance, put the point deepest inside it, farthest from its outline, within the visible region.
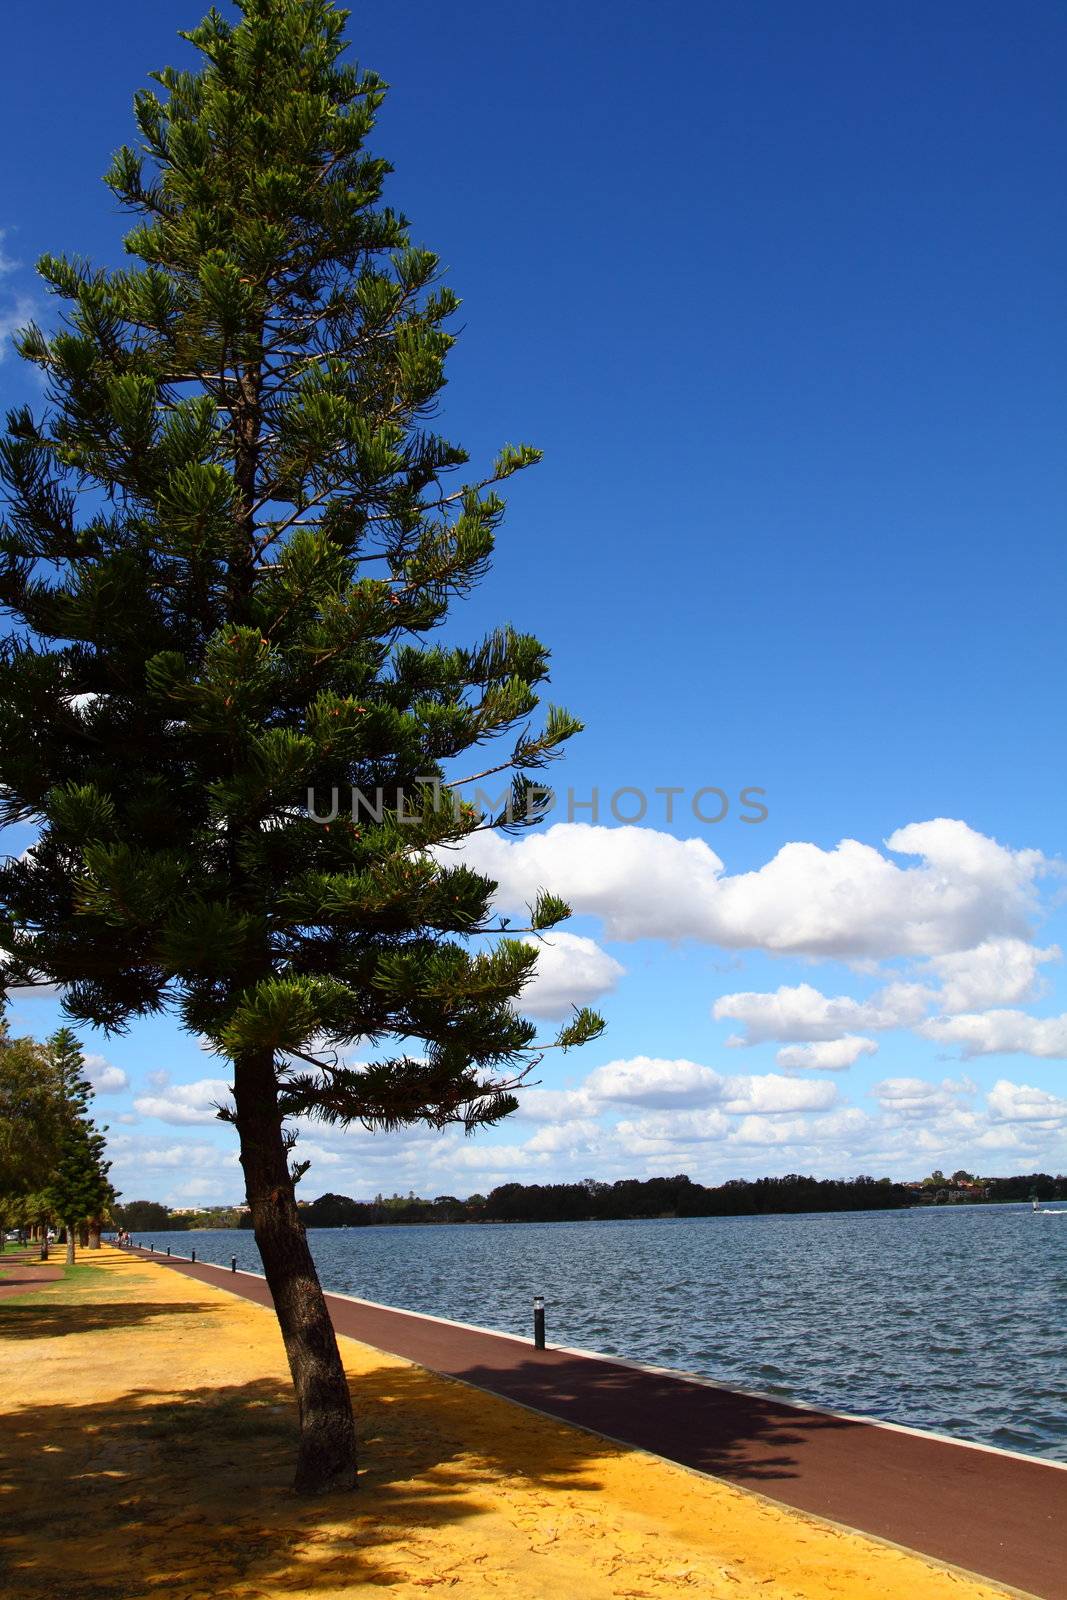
(233, 1263)
(193, 1257)
(539, 1322)
(168, 1249)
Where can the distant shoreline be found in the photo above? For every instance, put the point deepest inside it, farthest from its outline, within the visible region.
(671, 1216)
(625, 1200)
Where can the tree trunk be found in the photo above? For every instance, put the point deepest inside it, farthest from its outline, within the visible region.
(70, 1244)
(326, 1458)
(95, 1225)
(83, 1234)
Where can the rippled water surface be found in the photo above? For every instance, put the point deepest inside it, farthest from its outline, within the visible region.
(951, 1319)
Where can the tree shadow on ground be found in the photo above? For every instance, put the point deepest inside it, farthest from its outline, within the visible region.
(743, 1438)
(42, 1319)
(12, 1259)
(189, 1489)
(15, 1284)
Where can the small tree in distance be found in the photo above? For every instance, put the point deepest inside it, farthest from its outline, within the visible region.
(229, 539)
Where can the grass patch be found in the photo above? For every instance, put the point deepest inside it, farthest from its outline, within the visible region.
(86, 1273)
(75, 1280)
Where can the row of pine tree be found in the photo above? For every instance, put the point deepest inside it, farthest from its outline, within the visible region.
(53, 1171)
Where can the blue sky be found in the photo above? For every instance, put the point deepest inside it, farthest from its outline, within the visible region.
(779, 293)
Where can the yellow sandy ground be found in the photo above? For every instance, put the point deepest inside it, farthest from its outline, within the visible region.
(146, 1437)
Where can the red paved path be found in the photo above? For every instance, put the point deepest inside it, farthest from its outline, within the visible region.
(1002, 1516)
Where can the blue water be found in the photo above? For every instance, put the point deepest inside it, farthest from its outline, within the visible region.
(950, 1318)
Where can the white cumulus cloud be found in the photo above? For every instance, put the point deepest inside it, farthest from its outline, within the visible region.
(647, 1081)
(768, 1093)
(185, 1103)
(800, 1012)
(796, 1132)
(553, 1105)
(571, 971)
(853, 902)
(660, 1133)
(104, 1077)
(997, 1033)
(918, 1097)
(1021, 1102)
(997, 972)
(830, 1055)
(583, 1134)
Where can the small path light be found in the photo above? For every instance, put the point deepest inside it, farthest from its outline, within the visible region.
(194, 1255)
(168, 1249)
(233, 1263)
(539, 1322)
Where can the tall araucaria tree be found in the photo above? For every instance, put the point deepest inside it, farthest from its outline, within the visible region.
(77, 1186)
(229, 540)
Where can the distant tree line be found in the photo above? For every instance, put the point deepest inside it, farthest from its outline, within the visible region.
(592, 1201)
(681, 1197)
(1027, 1186)
(148, 1216)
